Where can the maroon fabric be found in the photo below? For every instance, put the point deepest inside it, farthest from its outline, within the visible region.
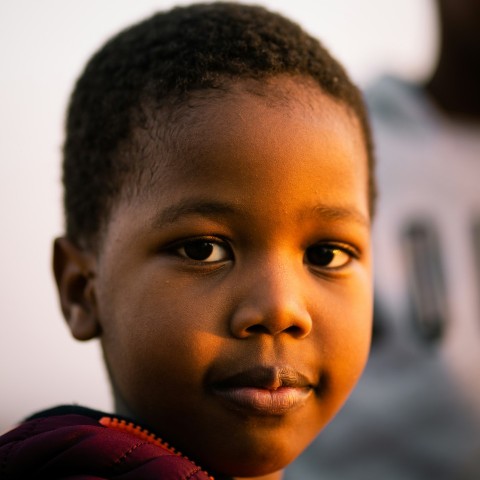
(77, 447)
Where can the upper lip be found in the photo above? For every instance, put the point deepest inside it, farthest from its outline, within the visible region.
(266, 377)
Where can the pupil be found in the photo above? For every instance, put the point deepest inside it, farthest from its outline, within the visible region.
(198, 250)
(320, 255)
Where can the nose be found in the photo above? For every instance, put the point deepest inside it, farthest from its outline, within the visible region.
(274, 303)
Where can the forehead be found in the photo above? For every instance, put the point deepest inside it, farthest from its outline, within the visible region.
(252, 135)
(265, 106)
(170, 137)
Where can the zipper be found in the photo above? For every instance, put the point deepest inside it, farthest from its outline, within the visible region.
(143, 434)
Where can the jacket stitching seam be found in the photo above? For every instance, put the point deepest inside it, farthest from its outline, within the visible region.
(129, 452)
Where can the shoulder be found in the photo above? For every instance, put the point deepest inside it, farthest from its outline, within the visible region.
(65, 442)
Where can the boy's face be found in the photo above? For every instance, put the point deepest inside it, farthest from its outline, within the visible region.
(233, 294)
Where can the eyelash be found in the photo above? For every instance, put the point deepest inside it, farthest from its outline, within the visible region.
(333, 249)
(200, 243)
(205, 247)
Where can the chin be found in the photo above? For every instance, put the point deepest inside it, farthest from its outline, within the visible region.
(255, 461)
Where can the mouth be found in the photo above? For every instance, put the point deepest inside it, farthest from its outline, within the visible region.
(265, 391)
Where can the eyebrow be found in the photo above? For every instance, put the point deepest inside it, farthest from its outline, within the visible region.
(339, 213)
(192, 206)
(208, 208)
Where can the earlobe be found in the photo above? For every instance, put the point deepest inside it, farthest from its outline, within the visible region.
(74, 271)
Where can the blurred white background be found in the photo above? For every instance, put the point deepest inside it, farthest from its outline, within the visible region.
(43, 47)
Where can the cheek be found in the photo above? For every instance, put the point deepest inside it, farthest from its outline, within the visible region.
(147, 327)
(343, 333)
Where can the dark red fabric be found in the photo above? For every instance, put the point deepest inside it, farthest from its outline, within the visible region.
(77, 447)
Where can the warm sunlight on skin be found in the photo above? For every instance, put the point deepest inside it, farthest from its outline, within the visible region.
(234, 295)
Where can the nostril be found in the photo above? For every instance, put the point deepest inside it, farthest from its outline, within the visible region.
(270, 319)
(294, 331)
(257, 328)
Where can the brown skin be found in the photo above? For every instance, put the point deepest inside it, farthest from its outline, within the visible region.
(269, 186)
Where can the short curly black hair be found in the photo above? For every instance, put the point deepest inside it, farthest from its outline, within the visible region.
(164, 59)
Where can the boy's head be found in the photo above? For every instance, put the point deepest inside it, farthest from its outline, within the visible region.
(158, 65)
(218, 178)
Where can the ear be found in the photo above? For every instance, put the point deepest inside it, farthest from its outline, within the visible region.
(74, 271)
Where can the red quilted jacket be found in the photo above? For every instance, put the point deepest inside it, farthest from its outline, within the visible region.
(81, 444)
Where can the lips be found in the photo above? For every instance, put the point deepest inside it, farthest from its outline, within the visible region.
(265, 390)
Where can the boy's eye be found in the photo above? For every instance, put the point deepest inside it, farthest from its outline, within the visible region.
(327, 256)
(203, 250)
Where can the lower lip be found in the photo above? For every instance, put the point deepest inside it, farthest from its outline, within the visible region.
(262, 401)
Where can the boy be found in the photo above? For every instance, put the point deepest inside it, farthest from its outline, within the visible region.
(218, 194)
